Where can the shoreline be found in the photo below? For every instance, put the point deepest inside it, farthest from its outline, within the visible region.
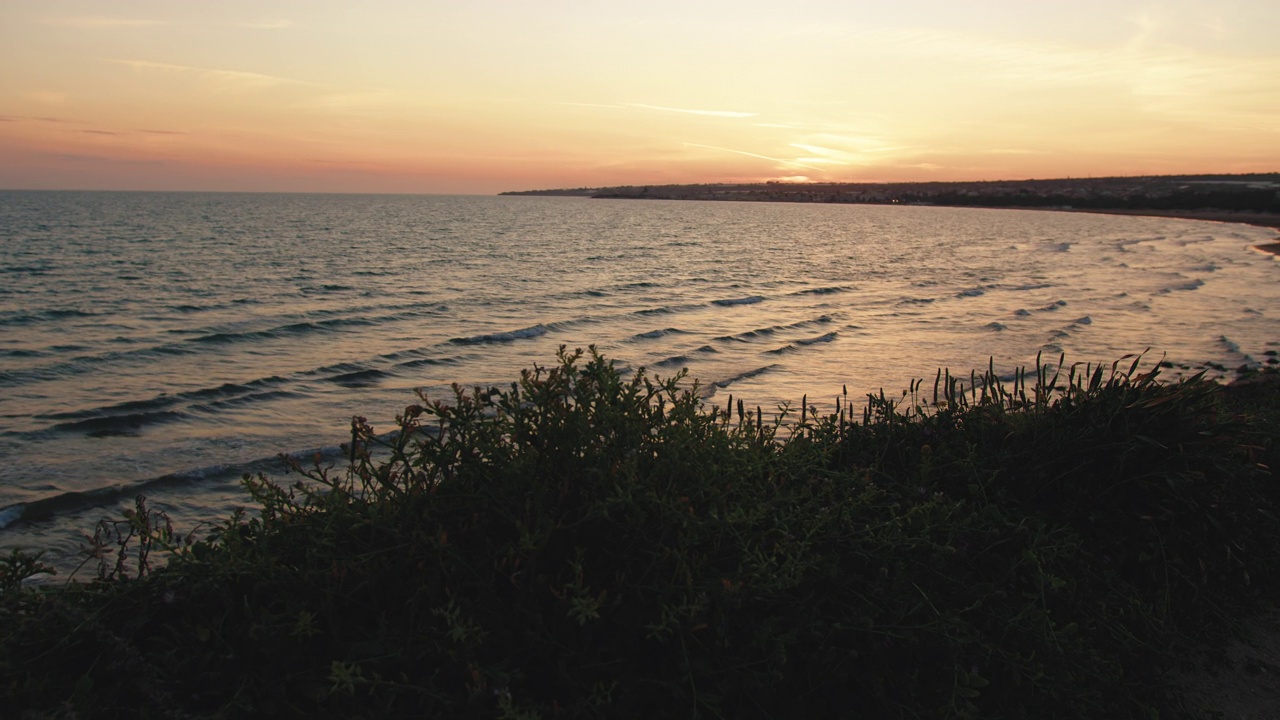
(1264, 220)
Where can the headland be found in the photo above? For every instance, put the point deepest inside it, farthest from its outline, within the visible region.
(1252, 199)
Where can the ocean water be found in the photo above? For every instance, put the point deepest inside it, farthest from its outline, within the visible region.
(167, 343)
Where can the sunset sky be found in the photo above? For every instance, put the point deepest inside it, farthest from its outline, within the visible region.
(486, 95)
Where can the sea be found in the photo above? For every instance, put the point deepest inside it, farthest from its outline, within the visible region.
(165, 344)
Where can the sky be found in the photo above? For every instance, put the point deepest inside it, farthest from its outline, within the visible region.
(434, 96)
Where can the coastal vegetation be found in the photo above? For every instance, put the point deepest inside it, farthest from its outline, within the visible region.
(597, 542)
(1256, 196)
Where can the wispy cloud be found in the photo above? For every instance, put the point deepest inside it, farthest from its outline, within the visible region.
(1014, 151)
(104, 23)
(607, 106)
(18, 118)
(788, 163)
(688, 111)
(268, 25)
(232, 78)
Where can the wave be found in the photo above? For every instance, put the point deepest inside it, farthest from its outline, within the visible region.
(682, 360)
(653, 334)
(32, 318)
(325, 288)
(750, 335)
(504, 337)
(215, 406)
(190, 346)
(971, 292)
(824, 290)
(162, 402)
(820, 339)
(722, 384)
(128, 425)
(429, 361)
(751, 300)
(290, 330)
(994, 326)
(359, 378)
(1189, 285)
(47, 508)
(795, 345)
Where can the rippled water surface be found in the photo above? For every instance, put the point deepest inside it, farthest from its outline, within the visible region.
(167, 343)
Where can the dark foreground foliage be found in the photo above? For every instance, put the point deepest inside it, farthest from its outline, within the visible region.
(584, 544)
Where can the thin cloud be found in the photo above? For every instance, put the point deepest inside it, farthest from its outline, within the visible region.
(789, 163)
(247, 80)
(688, 111)
(614, 106)
(268, 25)
(27, 118)
(104, 23)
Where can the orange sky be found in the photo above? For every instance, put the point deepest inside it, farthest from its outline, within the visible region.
(484, 96)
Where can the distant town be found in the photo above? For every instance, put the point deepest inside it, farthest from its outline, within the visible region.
(1244, 198)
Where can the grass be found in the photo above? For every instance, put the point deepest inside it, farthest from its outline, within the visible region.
(590, 544)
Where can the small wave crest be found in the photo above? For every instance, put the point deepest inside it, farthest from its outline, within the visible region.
(751, 300)
(1186, 286)
(119, 425)
(504, 337)
(824, 290)
(359, 378)
(654, 334)
(27, 318)
(127, 418)
(820, 339)
(722, 384)
(750, 335)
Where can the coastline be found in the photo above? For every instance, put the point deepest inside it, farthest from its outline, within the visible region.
(1266, 220)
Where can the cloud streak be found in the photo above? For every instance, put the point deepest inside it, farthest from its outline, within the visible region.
(788, 163)
(104, 23)
(235, 78)
(688, 111)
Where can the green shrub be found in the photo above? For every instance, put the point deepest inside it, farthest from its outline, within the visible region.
(585, 543)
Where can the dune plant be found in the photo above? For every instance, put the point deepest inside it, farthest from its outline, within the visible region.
(593, 542)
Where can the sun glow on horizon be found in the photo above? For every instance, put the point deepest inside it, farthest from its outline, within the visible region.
(494, 95)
